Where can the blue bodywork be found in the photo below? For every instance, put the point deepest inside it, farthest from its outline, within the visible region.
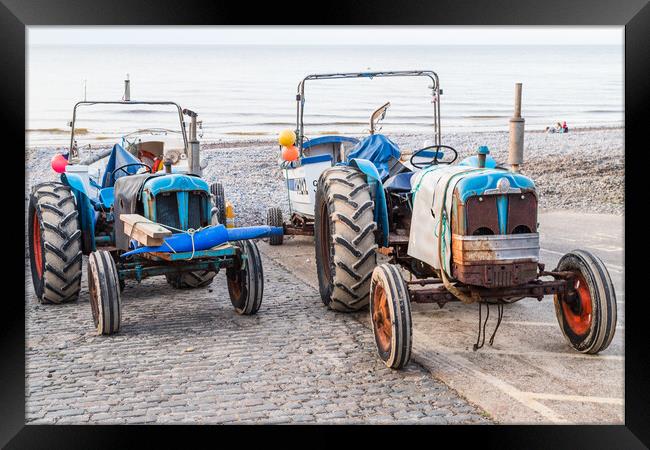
(477, 184)
(472, 161)
(93, 197)
(181, 185)
(328, 140)
(315, 159)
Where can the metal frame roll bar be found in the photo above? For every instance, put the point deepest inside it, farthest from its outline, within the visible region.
(74, 153)
(300, 96)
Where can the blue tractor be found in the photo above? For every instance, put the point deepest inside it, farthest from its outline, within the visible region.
(146, 211)
(465, 232)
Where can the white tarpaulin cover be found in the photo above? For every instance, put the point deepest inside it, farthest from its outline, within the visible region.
(432, 189)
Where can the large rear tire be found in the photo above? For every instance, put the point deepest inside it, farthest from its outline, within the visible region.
(588, 321)
(191, 280)
(246, 283)
(344, 236)
(274, 219)
(216, 189)
(104, 289)
(54, 243)
(390, 314)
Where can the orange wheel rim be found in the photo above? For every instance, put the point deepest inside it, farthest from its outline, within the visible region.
(235, 284)
(579, 323)
(36, 246)
(94, 301)
(381, 318)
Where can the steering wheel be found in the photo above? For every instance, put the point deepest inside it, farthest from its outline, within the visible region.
(434, 161)
(123, 168)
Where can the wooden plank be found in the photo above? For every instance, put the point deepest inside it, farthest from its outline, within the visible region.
(220, 250)
(140, 236)
(145, 225)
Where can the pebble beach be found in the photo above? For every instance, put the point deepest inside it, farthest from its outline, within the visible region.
(583, 170)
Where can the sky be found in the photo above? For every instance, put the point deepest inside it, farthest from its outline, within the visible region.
(325, 35)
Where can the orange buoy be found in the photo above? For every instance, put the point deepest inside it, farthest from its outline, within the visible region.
(290, 153)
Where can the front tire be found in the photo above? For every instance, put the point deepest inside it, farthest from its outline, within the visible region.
(588, 321)
(104, 289)
(54, 243)
(390, 313)
(274, 219)
(344, 236)
(246, 283)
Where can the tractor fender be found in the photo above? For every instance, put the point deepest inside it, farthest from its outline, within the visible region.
(87, 214)
(377, 192)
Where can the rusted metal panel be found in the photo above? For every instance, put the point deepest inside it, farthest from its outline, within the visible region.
(458, 223)
(288, 229)
(481, 215)
(522, 213)
(535, 289)
(495, 275)
(297, 225)
(509, 248)
(495, 260)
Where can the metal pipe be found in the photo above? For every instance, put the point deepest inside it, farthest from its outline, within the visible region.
(481, 155)
(74, 152)
(516, 142)
(194, 145)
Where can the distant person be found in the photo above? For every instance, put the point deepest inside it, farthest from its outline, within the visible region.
(557, 128)
(565, 129)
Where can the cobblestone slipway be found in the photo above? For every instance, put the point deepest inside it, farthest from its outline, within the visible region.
(184, 356)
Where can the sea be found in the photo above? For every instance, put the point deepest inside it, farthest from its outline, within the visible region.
(244, 92)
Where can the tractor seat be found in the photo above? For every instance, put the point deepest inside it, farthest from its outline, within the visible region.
(106, 197)
(399, 183)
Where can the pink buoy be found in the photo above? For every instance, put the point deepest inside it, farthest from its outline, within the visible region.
(59, 162)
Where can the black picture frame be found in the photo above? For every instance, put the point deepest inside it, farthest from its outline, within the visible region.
(15, 15)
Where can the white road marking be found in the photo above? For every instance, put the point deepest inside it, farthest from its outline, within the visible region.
(506, 388)
(538, 354)
(575, 398)
(541, 324)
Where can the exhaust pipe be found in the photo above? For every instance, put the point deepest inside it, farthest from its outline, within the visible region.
(516, 144)
(194, 145)
(481, 155)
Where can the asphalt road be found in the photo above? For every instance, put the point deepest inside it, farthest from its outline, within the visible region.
(530, 374)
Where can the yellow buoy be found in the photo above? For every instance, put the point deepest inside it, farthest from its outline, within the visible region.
(287, 138)
(230, 215)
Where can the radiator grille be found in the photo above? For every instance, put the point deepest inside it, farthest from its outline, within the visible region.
(167, 209)
(195, 212)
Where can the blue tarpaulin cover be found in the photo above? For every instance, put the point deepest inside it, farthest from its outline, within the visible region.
(118, 158)
(207, 238)
(377, 149)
